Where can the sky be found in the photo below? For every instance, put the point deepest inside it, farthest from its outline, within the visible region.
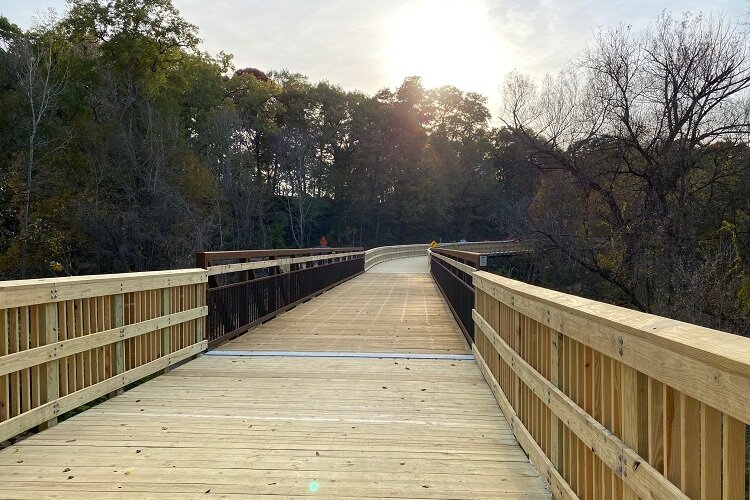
(370, 44)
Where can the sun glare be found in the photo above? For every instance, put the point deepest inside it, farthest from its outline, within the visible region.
(445, 42)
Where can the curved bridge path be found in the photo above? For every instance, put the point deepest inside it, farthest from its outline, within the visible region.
(368, 390)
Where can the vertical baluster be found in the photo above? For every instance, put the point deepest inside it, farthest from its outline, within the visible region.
(588, 406)
(634, 414)
(70, 332)
(101, 326)
(4, 379)
(656, 424)
(690, 439)
(557, 445)
(710, 453)
(118, 366)
(672, 434)
(15, 377)
(51, 384)
(166, 333)
(25, 344)
(733, 459)
(606, 404)
(80, 369)
(36, 371)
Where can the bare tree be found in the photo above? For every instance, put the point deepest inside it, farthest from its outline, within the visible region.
(297, 152)
(631, 127)
(41, 82)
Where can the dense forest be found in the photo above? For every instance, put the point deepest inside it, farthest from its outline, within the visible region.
(124, 147)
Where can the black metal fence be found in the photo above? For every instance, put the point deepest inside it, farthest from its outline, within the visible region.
(244, 299)
(458, 290)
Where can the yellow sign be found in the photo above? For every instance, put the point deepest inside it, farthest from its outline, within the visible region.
(433, 244)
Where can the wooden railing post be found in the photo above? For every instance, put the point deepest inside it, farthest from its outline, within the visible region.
(556, 431)
(516, 347)
(200, 300)
(118, 365)
(51, 382)
(5, 398)
(166, 333)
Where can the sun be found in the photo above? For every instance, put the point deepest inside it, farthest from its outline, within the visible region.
(446, 43)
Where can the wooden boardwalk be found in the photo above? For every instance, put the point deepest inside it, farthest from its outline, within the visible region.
(376, 312)
(245, 425)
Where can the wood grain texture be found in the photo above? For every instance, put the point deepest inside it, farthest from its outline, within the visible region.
(263, 264)
(262, 426)
(708, 365)
(55, 349)
(41, 291)
(644, 480)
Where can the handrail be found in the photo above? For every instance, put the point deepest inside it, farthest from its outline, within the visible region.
(467, 261)
(209, 259)
(67, 341)
(500, 247)
(611, 400)
(276, 262)
(606, 401)
(379, 255)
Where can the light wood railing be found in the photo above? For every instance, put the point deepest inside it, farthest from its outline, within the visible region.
(612, 403)
(67, 341)
(501, 247)
(379, 255)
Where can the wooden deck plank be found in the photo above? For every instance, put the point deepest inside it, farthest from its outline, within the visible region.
(241, 426)
(376, 312)
(182, 435)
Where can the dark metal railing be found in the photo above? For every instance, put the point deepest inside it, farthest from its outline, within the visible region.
(456, 286)
(239, 299)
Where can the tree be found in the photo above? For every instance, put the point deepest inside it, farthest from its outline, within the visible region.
(40, 82)
(632, 128)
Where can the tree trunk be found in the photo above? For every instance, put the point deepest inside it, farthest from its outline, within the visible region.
(27, 207)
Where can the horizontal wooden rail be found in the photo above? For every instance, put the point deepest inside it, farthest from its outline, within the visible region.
(379, 255)
(50, 411)
(19, 293)
(67, 341)
(614, 403)
(288, 261)
(451, 260)
(207, 259)
(493, 247)
(37, 355)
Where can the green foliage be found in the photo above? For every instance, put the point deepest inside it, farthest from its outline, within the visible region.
(155, 150)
